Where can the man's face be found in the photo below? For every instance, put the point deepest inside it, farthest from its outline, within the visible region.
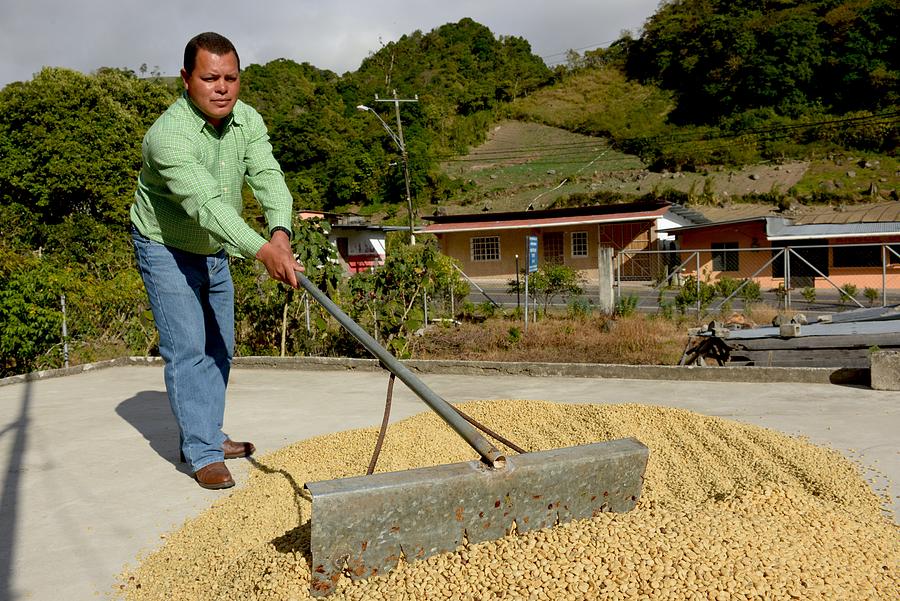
(214, 85)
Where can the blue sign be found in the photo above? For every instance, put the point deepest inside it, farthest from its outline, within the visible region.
(532, 244)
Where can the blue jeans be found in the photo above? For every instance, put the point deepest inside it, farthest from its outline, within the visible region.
(192, 300)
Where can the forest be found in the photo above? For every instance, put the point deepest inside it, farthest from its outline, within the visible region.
(785, 78)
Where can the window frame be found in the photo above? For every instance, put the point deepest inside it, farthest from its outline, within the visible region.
(723, 254)
(483, 257)
(573, 246)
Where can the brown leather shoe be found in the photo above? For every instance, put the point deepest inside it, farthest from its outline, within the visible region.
(235, 450)
(214, 476)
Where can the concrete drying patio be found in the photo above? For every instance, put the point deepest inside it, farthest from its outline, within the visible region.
(92, 478)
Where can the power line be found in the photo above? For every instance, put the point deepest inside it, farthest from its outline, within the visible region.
(565, 52)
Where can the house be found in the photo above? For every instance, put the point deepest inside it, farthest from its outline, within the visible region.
(492, 245)
(360, 245)
(822, 254)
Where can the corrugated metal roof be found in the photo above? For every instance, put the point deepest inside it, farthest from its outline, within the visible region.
(778, 228)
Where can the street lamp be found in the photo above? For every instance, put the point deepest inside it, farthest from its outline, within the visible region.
(398, 140)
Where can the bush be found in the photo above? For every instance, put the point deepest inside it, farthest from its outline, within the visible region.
(693, 293)
(626, 306)
(871, 295)
(579, 308)
(848, 291)
(751, 292)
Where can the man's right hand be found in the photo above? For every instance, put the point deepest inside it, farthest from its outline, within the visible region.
(279, 261)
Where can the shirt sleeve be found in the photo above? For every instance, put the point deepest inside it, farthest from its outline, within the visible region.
(178, 161)
(265, 177)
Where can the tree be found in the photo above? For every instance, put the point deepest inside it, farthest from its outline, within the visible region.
(71, 142)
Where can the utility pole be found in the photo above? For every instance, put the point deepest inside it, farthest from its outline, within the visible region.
(402, 145)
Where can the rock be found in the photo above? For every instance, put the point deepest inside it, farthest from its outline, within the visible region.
(754, 176)
(851, 173)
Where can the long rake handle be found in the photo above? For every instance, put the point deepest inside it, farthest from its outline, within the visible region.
(489, 453)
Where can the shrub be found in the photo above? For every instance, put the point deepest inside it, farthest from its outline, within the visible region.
(693, 293)
(848, 291)
(751, 292)
(626, 306)
(579, 308)
(871, 295)
(809, 294)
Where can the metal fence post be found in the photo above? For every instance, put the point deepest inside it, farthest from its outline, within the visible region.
(884, 259)
(306, 309)
(787, 275)
(697, 278)
(65, 332)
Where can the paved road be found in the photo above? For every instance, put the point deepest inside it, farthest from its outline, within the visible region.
(91, 477)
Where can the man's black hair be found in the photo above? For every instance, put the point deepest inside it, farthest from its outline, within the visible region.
(211, 42)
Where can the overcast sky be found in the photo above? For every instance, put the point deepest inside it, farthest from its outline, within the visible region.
(329, 34)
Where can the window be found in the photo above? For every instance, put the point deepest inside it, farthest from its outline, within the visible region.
(579, 244)
(856, 256)
(486, 248)
(553, 247)
(724, 256)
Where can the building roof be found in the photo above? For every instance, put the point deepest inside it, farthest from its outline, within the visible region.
(783, 228)
(802, 214)
(615, 213)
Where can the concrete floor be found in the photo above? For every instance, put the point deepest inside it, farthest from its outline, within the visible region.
(91, 477)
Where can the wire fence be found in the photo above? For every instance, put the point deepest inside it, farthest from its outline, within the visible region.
(807, 277)
(700, 282)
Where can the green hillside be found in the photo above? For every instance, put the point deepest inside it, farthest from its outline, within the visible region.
(527, 164)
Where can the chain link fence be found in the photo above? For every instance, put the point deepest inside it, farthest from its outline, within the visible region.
(798, 278)
(822, 278)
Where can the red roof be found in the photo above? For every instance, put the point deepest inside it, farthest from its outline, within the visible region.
(557, 221)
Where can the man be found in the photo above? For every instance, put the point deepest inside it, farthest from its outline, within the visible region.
(185, 217)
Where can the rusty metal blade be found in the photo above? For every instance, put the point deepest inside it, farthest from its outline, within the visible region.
(362, 525)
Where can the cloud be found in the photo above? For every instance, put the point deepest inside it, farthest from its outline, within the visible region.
(335, 34)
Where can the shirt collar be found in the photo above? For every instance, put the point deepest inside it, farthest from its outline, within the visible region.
(200, 119)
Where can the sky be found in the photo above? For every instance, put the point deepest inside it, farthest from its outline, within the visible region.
(330, 34)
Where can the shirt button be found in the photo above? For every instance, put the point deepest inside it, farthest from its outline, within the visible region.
(221, 163)
(225, 189)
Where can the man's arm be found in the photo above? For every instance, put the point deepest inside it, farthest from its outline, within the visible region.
(265, 178)
(264, 175)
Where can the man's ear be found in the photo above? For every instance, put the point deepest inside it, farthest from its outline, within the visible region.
(184, 78)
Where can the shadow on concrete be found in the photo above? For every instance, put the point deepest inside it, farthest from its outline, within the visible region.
(149, 412)
(9, 498)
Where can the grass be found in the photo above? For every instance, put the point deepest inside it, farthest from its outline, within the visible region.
(883, 175)
(529, 163)
(598, 101)
(634, 340)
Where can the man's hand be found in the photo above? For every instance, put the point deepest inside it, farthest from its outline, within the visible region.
(278, 258)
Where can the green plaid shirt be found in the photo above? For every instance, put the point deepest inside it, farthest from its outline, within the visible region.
(189, 189)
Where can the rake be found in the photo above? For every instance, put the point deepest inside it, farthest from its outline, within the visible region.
(363, 526)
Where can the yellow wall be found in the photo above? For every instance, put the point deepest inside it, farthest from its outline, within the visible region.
(512, 242)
